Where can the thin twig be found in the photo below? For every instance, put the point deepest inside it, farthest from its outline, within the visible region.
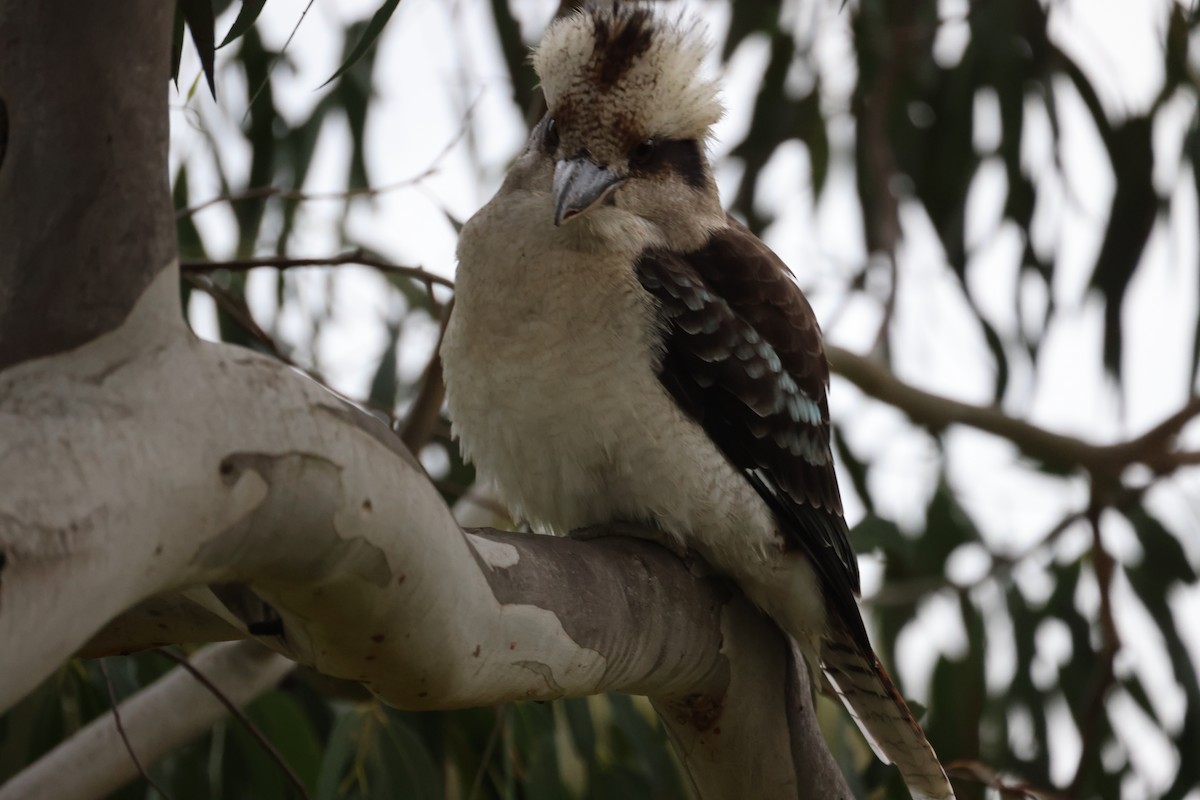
(285, 263)
(979, 772)
(889, 304)
(1104, 463)
(493, 737)
(1151, 448)
(1105, 676)
(251, 728)
(263, 192)
(422, 418)
(271, 67)
(240, 314)
(907, 592)
(112, 698)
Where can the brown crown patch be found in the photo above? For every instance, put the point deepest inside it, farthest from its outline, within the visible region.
(621, 36)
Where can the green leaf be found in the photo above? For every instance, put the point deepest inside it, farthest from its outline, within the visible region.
(406, 762)
(296, 150)
(747, 19)
(339, 752)
(176, 45)
(774, 121)
(876, 533)
(1176, 55)
(1191, 152)
(374, 28)
(199, 17)
(283, 722)
(998, 355)
(1131, 218)
(641, 748)
(245, 18)
(855, 468)
(1164, 557)
(947, 526)
(579, 721)
(355, 97)
(256, 62)
(516, 57)
(384, 384)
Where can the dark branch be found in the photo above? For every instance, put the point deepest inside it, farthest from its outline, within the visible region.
(116, 712)
(247, 723)
(285, 263)
(1104, 463)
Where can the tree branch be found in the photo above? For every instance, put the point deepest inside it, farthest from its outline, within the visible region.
(284, 263)
(1105, 463)
(331, 528)
(161, 718)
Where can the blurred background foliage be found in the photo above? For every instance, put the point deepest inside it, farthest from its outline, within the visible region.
(1043, 693)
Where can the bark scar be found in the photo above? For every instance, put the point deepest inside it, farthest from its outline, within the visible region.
(546, 674)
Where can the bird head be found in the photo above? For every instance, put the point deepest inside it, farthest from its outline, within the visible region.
(628, 120)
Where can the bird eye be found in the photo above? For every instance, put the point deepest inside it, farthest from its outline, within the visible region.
(550, 137)
(643, 152)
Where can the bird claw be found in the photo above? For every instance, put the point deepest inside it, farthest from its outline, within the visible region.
(695, 563)
(590, 532)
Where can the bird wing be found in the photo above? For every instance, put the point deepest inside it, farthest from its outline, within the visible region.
(743, 356)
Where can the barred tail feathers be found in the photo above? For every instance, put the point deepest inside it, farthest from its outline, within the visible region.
(883, 717)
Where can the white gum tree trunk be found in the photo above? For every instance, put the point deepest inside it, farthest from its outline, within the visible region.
(140, 466)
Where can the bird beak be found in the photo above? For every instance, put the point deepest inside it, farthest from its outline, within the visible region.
(579, 186)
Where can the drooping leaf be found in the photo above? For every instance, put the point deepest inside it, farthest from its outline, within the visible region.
(199, 17)
(246, 17)
(999, 357)
(856, 469)
(579, 721)
(296, 150)
(516, 56)
(747, 19)
(177, 31)
(256, 61)
(1191, 149)
(384, 385)
(191, 244)
(339, 753)
(1175, 54)
(1134, 208)
(947, 526)
(369, 35)
(404, 764)
(638, 741)
(1163, 555)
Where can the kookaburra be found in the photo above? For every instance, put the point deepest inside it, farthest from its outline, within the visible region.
(621, 350)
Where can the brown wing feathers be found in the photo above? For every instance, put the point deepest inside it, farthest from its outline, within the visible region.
(743, 356)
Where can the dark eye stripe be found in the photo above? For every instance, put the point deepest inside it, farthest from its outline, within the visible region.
(681, 156)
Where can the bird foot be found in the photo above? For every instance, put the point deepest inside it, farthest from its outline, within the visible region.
(590, 532)
(695, 563)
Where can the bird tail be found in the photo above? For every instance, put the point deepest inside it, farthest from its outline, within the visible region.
(883, 716)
